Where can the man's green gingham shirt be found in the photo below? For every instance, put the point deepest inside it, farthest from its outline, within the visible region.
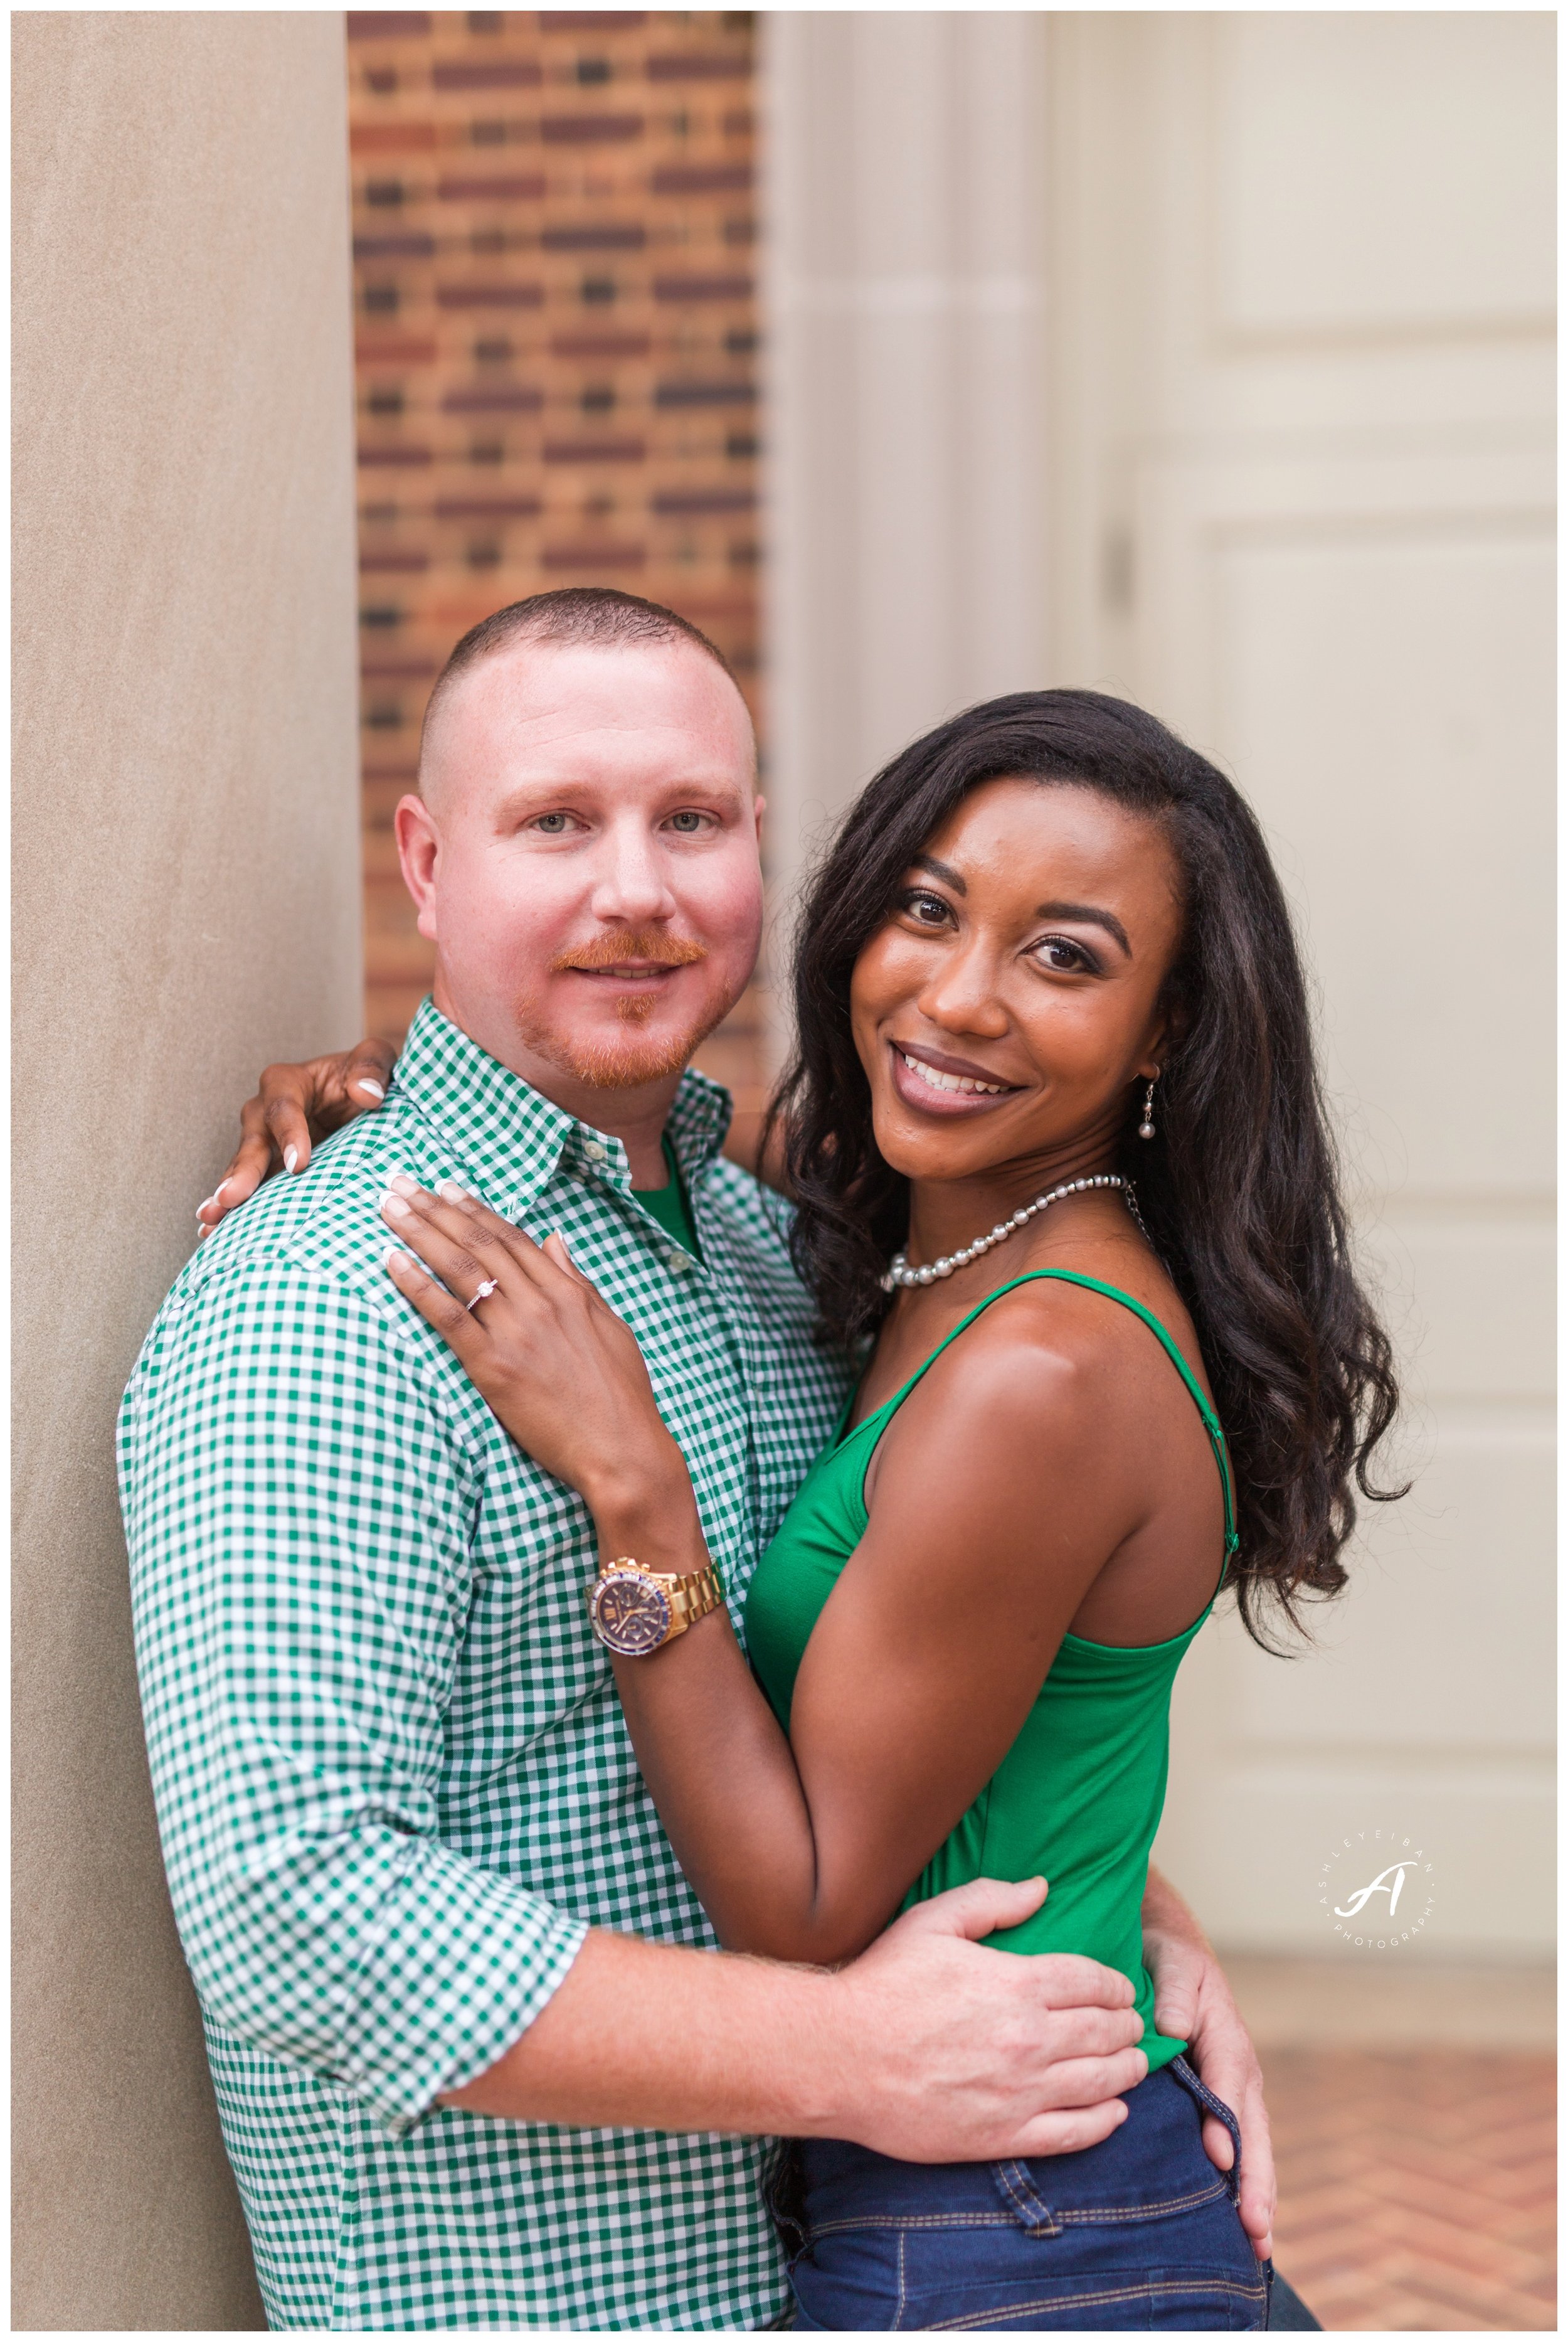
(393, 1781)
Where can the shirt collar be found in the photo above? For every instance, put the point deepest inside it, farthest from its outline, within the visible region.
(511, 1141)
(698, 1124)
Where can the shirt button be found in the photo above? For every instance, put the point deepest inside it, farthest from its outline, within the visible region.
(679, 1260)
(594, 1151)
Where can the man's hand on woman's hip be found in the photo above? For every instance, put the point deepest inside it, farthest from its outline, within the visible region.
(928, 2046)
(968, 2055)
(1193, 2002)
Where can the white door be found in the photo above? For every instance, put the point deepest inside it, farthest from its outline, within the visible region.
(1300, 317)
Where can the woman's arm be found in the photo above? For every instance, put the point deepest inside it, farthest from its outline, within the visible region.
(929, 1652)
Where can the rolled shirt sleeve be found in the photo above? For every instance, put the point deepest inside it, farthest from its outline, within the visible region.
(300, 1496)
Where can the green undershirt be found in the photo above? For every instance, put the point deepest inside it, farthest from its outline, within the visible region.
(668, 1205)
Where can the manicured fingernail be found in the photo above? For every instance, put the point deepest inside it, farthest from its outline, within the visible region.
(402, 1185)
(374, 1087)
(396, 1208)
(453, 1193)
(219, 1190)
(390, 1260)
(204, 1208)
(290, 1157)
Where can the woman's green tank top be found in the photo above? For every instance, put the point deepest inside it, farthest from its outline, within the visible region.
(1076, 1800)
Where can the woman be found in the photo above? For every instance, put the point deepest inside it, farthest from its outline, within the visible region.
(1046, 956)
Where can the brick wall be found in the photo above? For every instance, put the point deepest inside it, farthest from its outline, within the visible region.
(556, 335)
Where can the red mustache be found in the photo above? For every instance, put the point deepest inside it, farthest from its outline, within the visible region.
(610, 949)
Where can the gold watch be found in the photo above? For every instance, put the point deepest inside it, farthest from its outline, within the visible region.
(637, 1610)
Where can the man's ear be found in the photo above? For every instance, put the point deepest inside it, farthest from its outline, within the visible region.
(419, 851)
(759, 806)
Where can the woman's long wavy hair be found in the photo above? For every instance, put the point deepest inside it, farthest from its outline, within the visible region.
(1241, 1189)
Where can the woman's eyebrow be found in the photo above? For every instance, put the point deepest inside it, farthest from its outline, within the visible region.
(943, 870)
(1107, 919)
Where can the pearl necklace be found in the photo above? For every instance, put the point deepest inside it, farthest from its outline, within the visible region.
(901, 1273)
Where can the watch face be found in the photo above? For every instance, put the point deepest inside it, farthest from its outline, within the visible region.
(631, 1615)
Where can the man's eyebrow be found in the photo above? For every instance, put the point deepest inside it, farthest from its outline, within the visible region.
(943, 870)
(570, 785)
(1107, 919)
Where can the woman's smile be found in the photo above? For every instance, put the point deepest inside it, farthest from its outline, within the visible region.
(933, 1083)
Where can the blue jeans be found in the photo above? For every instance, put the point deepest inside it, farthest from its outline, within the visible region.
(1139, 2233)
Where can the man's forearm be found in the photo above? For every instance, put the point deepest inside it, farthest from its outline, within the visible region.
(929, 2045)
(659, 2038)
(664, 2039)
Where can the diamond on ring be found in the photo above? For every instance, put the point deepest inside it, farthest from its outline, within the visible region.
(491, 1284)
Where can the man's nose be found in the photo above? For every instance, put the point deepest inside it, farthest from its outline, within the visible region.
(629, 883)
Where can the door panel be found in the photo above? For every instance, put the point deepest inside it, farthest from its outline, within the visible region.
(1303, 503)
(1376, 181)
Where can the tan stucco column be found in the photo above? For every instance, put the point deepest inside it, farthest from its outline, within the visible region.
(904, 270)
(186, 907)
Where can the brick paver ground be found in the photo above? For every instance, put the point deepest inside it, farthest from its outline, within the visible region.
(1417, 2189)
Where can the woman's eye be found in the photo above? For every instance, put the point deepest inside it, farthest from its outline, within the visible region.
(925, 910)
(1066, 958)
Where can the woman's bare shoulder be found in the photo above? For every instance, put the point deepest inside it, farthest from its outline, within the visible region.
(1035, 1402)
(1051, 1354)
(1097, 1325)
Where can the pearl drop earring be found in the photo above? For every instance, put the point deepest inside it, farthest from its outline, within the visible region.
(1146, 1128)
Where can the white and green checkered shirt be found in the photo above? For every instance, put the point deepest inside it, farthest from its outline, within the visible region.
(393, 1781)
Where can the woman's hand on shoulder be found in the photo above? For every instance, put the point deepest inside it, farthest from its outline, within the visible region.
(562, 1372)
(295, 1107)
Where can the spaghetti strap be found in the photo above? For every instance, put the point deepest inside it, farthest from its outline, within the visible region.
(1112, 1293)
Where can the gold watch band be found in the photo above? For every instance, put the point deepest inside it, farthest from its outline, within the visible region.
(692, 1597)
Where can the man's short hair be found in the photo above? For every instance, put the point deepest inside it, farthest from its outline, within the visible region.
(596, 615)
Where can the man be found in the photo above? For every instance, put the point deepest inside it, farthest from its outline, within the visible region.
(418, 1879)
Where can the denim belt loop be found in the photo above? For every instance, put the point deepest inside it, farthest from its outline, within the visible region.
(1182, 2073)
(1024, 2199)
